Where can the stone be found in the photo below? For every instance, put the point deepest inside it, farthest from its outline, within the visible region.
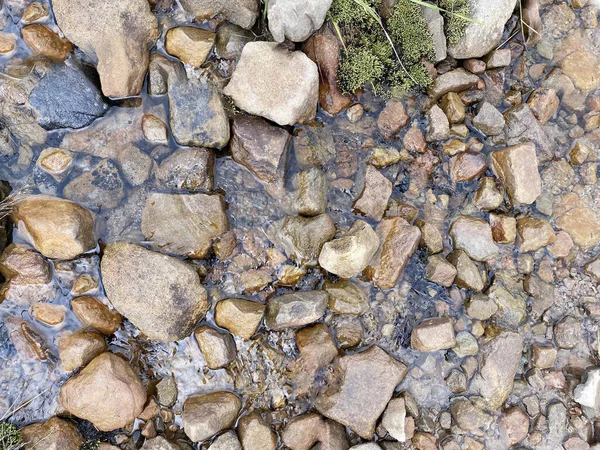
(504, 228)
(515, 425)
(190, 44)
(292, 93)
(57, 228)
(543, 356)
(475, 66)
(8, 42)
(26, 339)
(466, 344)
(159, 294)
(567, 332)
(431, 237)
(239, 12)
(481, 307)
(312, 193)
(384, 156)
(45, 42)
(440, 271)
(99, 188)
(523, 128)
(484, 33)
(578, 66)
(217, 347)
(166, 392)
(347, 255)
(76, 107)
(392, 119)
(239, 316)
(438, 127)
(226, 441)
(295, 309)
(184, 225)
(55, 161)
(489, 120)
(187, 169)
(296, 21)
(469, 417)
(432, 335)
(467, 166)
(582, 224)
(534, 234)
(456, 80)
(255, 433)
(544, 103)
(77, 349)
(303, 432)
(579, 153)
(456, 381)
(562, 245)
(314, 145)
(453, 107)
(399, 241)
(593, 269)
(317, 349)
(498, 59)
(574, 442)
(92, 313)
(34, 12)
(48, 313)
(155, 130)
(362, 385)
(107, 392)
(54, 434)
(135, 165)
(394, 419)
(414, 141)
(474, 236)
(508, 294)
(587, 393)
(230, 41)
(158, 443)
(435, 26)
(467, 272)
(346, 297)
(488, 197)
(115, 34)
(377, 190)
(499, 360)
(84, 283)
(206, 415)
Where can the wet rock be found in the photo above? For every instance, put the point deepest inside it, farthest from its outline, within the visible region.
(489, 120)
(255, 433)
(34, 12)
(159, 443)
(262, 148)
(392, 119)
(107, 392)
(593, 269)
(346, 297)
(384, 156)
(467, 166)
(474, 236)
(558, 175)
(534, 234)
(57, 228)
(78, 349)
(187, 169)
(155, 130)
(116, 34)
(481, 307)
(543, 356)
(579, 67)
(432, 335)
(504, 228)
(544, 104)
(362, 385)
(430, 237)
(26, 339)
(160, 295)
(92, 313)
(579, 153)
(484, 33)
(314, 145)
(467, 273)
(488, 197)
(347, 255)
(184, 224)
(469, 417)
(556, 414)
(295, 309)
(230, 41)
(399, 240)
(582, 224)
(239, 316)
(239, 12)
(303, 432)
(394, 419)
(312, 193)
(317, 349)
(456, 80)
(55, 161)
(500, 359)
(206, 415)
(498, 59)
(438, 127)
(190, 44)
(567, 332)
(515, 424)
(296, 22)
(8, 42)
(100, 188)
(45, 42)
(375, 195)
(48, 313)
(453, 107)
(226, 441)
(292, 93)
(522, 128)
(54, 434)
(217, 347)
(507, 293)
(587, 393)
(440, 271)
(302, 238)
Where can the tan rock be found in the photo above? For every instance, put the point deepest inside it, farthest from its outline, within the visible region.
(467, 166)
(317, 349)
(295, 309)
(48, 313)
(375, 195)
(55, 161)
(190, 44)
(206, 415)
(239, 12)
(155, 130)
(26, 339)
(255, 433)
(85, 283)
(440, 271)
(303, 432)
(239, 316)
(474, 236)
(312, 192)
(54, 434)
(392, 119)
(217, 347)
(543, 356)
(579, 153)
(504, 228)
(346, 297)
(34, 12)
(430, 237)
(453, 107)
(8, 42)
(432, 335)
(467, 273)
(544, 103)
(517, 167)
(534, 233)
(45, 42)
(580, 66)
(78, 349)
(92, 313)
(583, 225)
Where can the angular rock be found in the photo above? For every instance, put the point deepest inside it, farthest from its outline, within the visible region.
(587, 393)
(582, 224)
(92, 313)
(543, 356)
(27, 339)
(392, 119)
(440, 271)
(239, 316)
(507, 292)
(544, 104)
(374, 198)
(155, 130)
(474, 236)
(489, 120)
(432, 335)
(394, 419)
(55, 161)
(317, 349)
(467, 273)
(295, 309)
(107, 392)
(567, 332)
(312, 192)
(217, 347)
(498, 58)
(187, 169)
(256, 434)
(345, 297)
(206, 415)
(453, 107)
(534, 233)
(488, 197)
(456, 80)
(190, 44)
(54, 434)
(184, 224)
(435, 26)
(438, 127)
(239, 12)
(467, 166)
(480, 307)
(290, 96)
(78, 349)
(504, 228)
(160, 295)
(45, 42)
(296, 21)
(515, 424)
(100, 188)
(523, 128)
(303, 432)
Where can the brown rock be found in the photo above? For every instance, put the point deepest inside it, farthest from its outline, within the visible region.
(45, 42)
(457, 80)
(375, 195)
(580, 66)
(303, 432)
(190, 44)
(48, 313)
(317, 349)
(474, 236)
(217, 347)
(453, 107)
(92, 313)
(534, 234)
(295, 309)
(239, 316)
(78, 349)
(467, 273)
(158, 443)
(469, 417)
(518, 169)
(579, 153)
(312, 192)
(34, 12)
(567, 332)
(84, 283)
(475, 66)
(8, 42)
(440, 271)
(54, 434)
(414, 141)
(467, 166)
(392, 119)
(515, 424)
(504, 228)
(26, 339)
(488, 196)
(206, 415)
(544, 103)
(430, 237)
(543, 356)
(55, 161)
(346, 297)
(255, 433)
(432, 335)
(187, 169)
(582, 224)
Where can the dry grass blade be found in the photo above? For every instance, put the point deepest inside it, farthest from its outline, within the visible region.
(531, 23)
(336, 27)
(11, 200)
(460, 16)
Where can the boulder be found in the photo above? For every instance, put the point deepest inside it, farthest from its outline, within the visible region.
(295, 309)
(115, 34)
(296, 20)
(107, 392)
(206, 415)
(54, 434)
(239, 12)
(517, 167)
(159, 294)
(291, 94)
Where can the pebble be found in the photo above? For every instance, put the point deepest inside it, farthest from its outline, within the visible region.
(432, 335)
(92, 313)
(45, 42)
(474, 236)
(190, 44)
(489, 120)
(438, 126)
(295, 309)
(239, 316)
(517, 167)
(218, 348)
(206, 415)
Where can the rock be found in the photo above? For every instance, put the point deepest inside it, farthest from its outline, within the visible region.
(187, 169)
(534, 233)
(556, 414)
(295, 309)
(116, 34)
(593, 269)
(373, 199)
(574, 442)
(218, 348)
(226, 441)
(567, 332)
(99, 188)
(34, 12)
(48, 313)
(467, 273)
(262, 148)
(507, 292)
(484, 33)
(135, 165)
(45, 42)
(543, 356)
(453, 107)
(312, 193)
(384, 156)
(432, 335)
(8, 42)
(92, 313)
(292, 93)
(239, 12)
(160, 295)
(255, 433)
(523, 128)
(500, 359)
(579, 153)
(346, 297)
(587, 393)
(466, 345)
(399, 241)
(362, 385)
(314, 145)
(430, 237)
(392, 119)
(489, 120)
(78, 349)
(5, 223)
(468, 417)
(474, 236)
(155, 130)
(159, 443)
(504, 228)
(440, 271)
(296, 21)
(303, 432)
(230, 41)
(498, 59)
(456, 381)
(317, 349)
(206, 415)
(582, 224)
(184, 224)
(579, 67)
(55, 161)
(107, 392)
(467, 166)
(239, 316)
(480, 307)
(515, 424)
(302, 238)
(435, 26)
(190, 44)
(347, 255)
(456, 80)
(57, 228)
(544, 104)
(488, 197)
(438, 127)
(54, 434)
(26, 339)
(394, 419)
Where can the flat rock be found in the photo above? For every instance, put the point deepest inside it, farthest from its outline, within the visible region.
(456, 80)
(346, 297)
(187, 169)
(517, 167)
(99, 188)
(474, 236)
(206, 415)
(54, 434)
(394, 419)
(190, 44)
(432, 335)
(296, 20)
(159, 294)
(438, 126)
(239, 12)
(489, 120)
(295, 309)
(534, 233)
(374, 198)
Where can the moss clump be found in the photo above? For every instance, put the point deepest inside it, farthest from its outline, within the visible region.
(90, 445)
(360, 66)
(408, 29)
(10, 437)
(455, 25)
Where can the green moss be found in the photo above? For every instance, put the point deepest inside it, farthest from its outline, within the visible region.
(359, 67)
(408, 29)
(91, 445)
(455, 26)
(10, 437)
(348, 14)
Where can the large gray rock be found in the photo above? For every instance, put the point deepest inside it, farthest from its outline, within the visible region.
(240, 12)
(160, 295)
(484, 33)
(271, 82)
(435, 25)
(296, 20)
